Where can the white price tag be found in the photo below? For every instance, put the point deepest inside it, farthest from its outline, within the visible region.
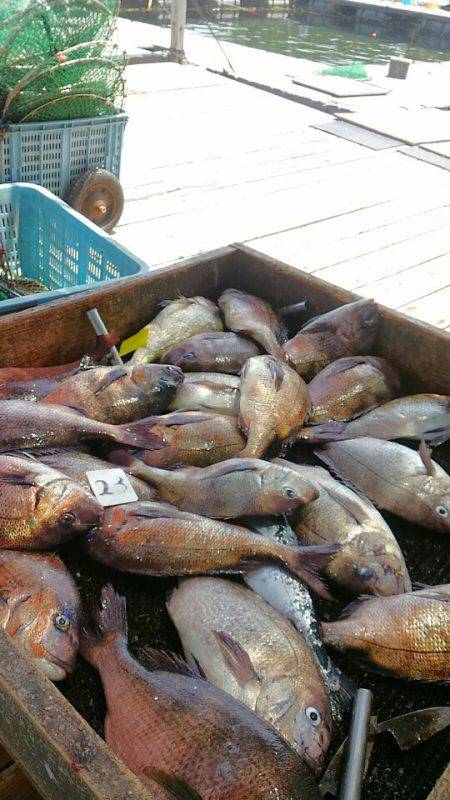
(111, 487)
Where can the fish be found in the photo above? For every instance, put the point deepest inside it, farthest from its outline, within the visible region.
(179, 734)
(369, 560)
(33, 383)
(351, 386)
(345, 331)
(394, 477)
(154, 538)
(192, 438)
(211, 352)
(179, 319)
(288, 595)
(273, 405)
(245, 647)
(234, 488)
(40, 609)
(406, 635)
(411, 417)
(26, 425)
(244, 313)
(213, 392)
(40, 507)
(118, 395)
(75, 464)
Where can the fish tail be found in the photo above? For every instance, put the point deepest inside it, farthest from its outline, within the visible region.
(136, 467)
(138, 434)
(106, 626)
(307, 562)
(325, 432)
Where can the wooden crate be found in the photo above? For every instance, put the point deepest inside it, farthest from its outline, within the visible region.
(57, 749)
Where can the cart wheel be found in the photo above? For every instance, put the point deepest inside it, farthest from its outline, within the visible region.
(97, 195)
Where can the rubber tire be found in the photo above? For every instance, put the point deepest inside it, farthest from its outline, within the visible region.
(97, 182)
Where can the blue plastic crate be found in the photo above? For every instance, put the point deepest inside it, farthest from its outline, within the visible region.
(53, 154)
(47, 240)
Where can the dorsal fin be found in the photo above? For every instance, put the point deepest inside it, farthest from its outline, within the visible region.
(425, 455)
(160, 660)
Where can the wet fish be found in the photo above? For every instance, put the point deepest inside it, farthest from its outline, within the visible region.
(245, 647)
(158, 539)
(213, 392)
(178, 320)
(234, 488)
(33, 383)
(118, 395)
(75, 464)
(407, 635)
(175, 730)
(412, 417)
(345, 331)
(369, 560)
(273, 406)
(40, 507)
(26, 425)
(394, 478)
(244, 313)
(40, 609)
(211, 352)
(350, 387)
(290, 597)
(192, 437)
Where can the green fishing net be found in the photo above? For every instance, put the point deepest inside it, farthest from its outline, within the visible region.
(357, 71)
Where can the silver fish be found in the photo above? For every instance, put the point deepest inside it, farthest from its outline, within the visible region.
(291, 598)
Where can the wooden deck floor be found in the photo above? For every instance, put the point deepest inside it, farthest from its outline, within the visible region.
(209, 161)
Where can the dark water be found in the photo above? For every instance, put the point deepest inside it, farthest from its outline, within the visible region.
(310, 36)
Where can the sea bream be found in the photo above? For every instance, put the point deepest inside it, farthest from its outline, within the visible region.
(395, 478)
(211, 352)
(245, 647)
(153, 538)
(369, 560)
(40, 609)
(407, 635)
(180, 735)
(215, 393)
(345, 331)
(233, 488)
(178, 319)
(41, 507)
(244, 313)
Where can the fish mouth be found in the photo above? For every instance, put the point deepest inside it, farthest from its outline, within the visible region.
(53, 668)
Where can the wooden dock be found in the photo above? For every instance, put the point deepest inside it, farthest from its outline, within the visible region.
(209, 161)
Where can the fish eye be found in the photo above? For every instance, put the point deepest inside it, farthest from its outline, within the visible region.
(289, 493)
(67, 519)
(442, 511)
(61, 622)
(313, 715)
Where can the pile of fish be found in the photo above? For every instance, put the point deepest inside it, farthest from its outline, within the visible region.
(201, 420)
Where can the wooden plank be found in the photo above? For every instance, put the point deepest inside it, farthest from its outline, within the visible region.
(5, 758)
(441, 790)
(52, 742)
(178, 25)
(416, 126)
(432, 308)
(410, 284)
(15, 786)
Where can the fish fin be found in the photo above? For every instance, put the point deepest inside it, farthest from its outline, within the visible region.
(351, 506)
(114, 374)
(199, 669)
(425, 455)
(347, 689)
(431, 593)
(122, 458)
(344, 364)
(176, 787)
(324, 326)
(276, 370)
(106, 624)
(139, 434)
(306, 562)
(437, 429)
(236, 658)
(154, 509)
(18, 478)
(417, 586)
(324, 432)
(341, 476)
(350, 609)
(180, 419)
(225, 468)
(161, 661)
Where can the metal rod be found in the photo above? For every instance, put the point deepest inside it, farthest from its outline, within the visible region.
(292, 309)
(353, 773)
(100, 329)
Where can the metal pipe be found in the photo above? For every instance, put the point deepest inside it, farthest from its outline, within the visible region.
(100, 329)
(292, 309)
(355, 757)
